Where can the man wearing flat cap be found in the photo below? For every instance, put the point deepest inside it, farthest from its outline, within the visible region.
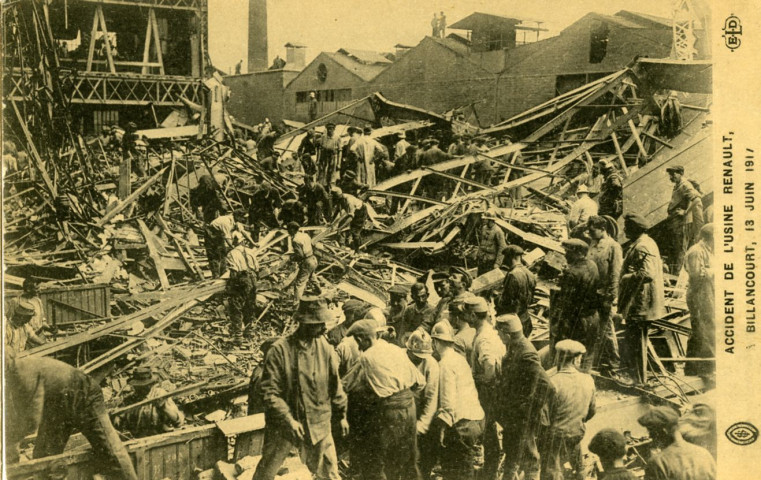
(685, 216)
(677, 459)
(641, 298)
(154, 418)
(523, 389)
(491, 244)
(349, 184)
(486, 361)
(316, 200)
(400, 149)
(463, 332)
(386, 444)
(610, 446)
(611, 199)
(517, 288)
(700, 301)
(569, 409)
(420, 352)
(458, 284)
(19, 333)
(302, 391)
(419, 314)
(328, 155)
(574, 309)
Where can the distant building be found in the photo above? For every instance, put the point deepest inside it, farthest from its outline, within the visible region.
(259, 95)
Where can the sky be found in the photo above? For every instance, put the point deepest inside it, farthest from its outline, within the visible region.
(327, 25)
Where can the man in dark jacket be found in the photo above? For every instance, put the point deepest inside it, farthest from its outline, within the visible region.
(301, 391)
(611, 197)
(263, 209)
(525, 388)
(419, 314)
(317, 201)
(518, 288)
(574, 313)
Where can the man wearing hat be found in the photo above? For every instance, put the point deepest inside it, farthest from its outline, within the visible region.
(18, 330)
(685, 214)
(572, 405)
(457, 148)
(610, 446)
(574, 309)
(400, 149)
(432, 185)
(302, 391)
(395, 312)
(54, 399)
(517, 288)
(420, 352)
(486, 361)
(241, 286)
(607, 255)
(677, 459)
(611, 199)
(386, 444)
(328, 155)
(367, 151)
(303, 255)
(220, 239)
(312, 106)
(263, 209)
(153, 418)
(317, 201)
(459, 420)
(419, 314)
(523, 389)
(582, 209)
(641, 296)
(491, 244)
(30, 293)
(700, 301)
(357, 213)
(458, 283)
(349, 184)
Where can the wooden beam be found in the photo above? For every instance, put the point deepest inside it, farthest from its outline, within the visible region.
(93, 32)
(153, 251)
(147, 46)
(157, 39)
(619, 152)
(35, 154)
(635, 132)
(128, 201)
(106, 41)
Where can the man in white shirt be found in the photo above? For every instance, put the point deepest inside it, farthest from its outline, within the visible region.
(241, 286)
(303, 255)
(582, 209)
(386, 445)
(460, 418)
(420, 352)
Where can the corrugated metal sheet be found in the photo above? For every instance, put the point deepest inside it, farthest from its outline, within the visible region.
(76, 303)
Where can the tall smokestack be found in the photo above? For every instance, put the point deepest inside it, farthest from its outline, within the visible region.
(257, 36)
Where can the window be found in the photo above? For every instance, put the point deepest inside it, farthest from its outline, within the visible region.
(322, 72)
(105, 118)
(338, 95)
(302, 97)
(598, 42)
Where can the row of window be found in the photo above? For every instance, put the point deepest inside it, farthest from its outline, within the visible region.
(338, 95)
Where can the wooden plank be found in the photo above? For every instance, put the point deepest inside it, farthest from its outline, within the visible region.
(93, 34)
(131, 198)
(35, 154)
(157, 39)
(154, 254)
(147, 46)
(106, 41)
(545, 242)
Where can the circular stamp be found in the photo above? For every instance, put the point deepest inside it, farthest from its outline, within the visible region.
(742, 433)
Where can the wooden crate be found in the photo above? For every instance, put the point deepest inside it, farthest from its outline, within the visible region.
(74, 304)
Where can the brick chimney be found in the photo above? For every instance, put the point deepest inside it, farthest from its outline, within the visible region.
(257, 36)
(295, 56)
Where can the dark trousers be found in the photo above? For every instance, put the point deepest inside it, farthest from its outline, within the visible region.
(606, 348)
(241, 301)
(319, 458)
(460, 449)
(428, 452)
(557, 449)
(492, 449)
(702, 342)
(635, 348)
(528, 325)
(81, 407)
(216, 250)
(521, 452)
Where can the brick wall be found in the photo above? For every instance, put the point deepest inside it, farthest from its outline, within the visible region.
(256, 96)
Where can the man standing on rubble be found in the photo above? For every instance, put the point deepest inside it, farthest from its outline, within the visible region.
(518, 288)
(611, 199)
(30, 293)
(386, 378)
(574, 310)
(523, 389)
(207, 198)
(700, 301)
(241, 286)
(486, 362)
(18, 329)
(328, 156)
(221, 231)
(357, 214)
(368, 152)
(303, 255)
(400, 148)
(492, 243)
(263, 209)
(607, 255)
(317, 201)
(572, 405)
(419, 314)
(685, 216)
(302, 391)
(55, 399)
(153, 418)
(641, 297)
(582, 209)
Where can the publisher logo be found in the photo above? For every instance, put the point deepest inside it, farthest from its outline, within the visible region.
(733, 30)
(742, 433)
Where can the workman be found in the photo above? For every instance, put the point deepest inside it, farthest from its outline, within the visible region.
(346, 346)
(611, 199)
(459, 420)
(328, 156)
(255, 400)
(30, 293)
(357, 213)
(463, 332)
(517, 288)
(677, 459)
(685, 216)
(368, 152)
(607, 255)
(458, 288)
(394, 314)
(583, 208)
(54, 399)
(312, 107)
(241, 286)
(154, 418)
(641, 297)
(220, 239)
(700, 301)
(572, 405)
(524, 390)
(264, 208)
(207, 203)
(385, 445)
(302, 392)
(486, 362)
(303, 255)
(491, 244)
(292, 211)
(574, 309)
(420, 352)
(316, 200)
(400, 148)
(610, 447)
(19, 333)
(419, 314)
(349, 184)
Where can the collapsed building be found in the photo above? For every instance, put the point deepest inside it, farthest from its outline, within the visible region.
(127, 283)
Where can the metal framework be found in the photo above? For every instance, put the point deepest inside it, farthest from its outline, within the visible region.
(170, 4)
(683, 25)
